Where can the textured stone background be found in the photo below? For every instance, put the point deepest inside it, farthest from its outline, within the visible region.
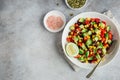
(29, 52)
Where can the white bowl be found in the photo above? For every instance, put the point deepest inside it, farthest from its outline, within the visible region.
(114, 30)
(56, 13)
(76, 8)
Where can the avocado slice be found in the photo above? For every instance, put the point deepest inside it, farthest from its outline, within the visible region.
(81, 20)
(81, 26)
(72, 27)
(84, 47)
(98, 56)
(75, 39)
(100, 45)
(108, 28)
(84, 30)
(89, 32)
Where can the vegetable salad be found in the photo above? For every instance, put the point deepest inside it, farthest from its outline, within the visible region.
(93, 38)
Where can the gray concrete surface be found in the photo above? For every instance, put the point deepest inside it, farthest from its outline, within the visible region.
(29, 52)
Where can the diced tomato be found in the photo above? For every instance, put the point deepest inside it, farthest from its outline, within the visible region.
(97, 20)
(85, 38)
(110, 35)
(92, 54)
(91, 26)
(78, 56)
(104, 22)
(103, 31)
(103, 39)
(78, 30)
(69, 39)
(90, 50)
(74, 34)
(99, 51)
(80, 44)
(93, 19)
(110, 32)
(106, 45)
(102, 35)
(93, 61)
(87, 21)
(76, 25)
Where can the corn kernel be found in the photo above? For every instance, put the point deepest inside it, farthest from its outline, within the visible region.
(95, 25)
(86, 61)
(88, 19)
(97, 43)
(94, 47)
(88, 37)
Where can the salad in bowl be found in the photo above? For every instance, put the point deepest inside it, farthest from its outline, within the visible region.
(92, 38)
(87, 38)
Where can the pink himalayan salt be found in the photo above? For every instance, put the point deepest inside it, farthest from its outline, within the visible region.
(54, 22)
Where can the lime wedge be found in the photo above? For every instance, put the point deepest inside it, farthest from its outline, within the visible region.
(72, 49)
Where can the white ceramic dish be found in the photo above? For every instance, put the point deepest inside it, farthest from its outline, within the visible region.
(56, 13)
(76, 8)
(114, 30)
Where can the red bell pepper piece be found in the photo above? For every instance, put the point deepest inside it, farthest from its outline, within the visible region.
(103, 39)
(85, 38)
(97, 20)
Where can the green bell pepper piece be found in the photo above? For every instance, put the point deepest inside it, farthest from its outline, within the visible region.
(81, 51)
(87, 54)
(90, 58)
(88, 42)
(82, 58)
(95, 50)
(92, 23)
(106, 36)
(84, 34)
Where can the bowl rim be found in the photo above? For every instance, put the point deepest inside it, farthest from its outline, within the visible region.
(63, 46)
(80, 8)
(58, 13)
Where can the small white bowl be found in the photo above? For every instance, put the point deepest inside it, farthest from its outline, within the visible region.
(56, 13)
(76, 8)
